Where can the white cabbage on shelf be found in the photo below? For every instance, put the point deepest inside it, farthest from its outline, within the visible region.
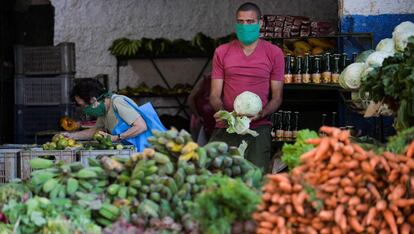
(377, 58)
(401, 34)
(386, 45)
(350, 77)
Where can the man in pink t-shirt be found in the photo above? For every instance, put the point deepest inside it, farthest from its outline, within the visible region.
(248, 64)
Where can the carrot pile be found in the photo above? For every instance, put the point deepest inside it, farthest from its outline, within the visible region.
(340, 188)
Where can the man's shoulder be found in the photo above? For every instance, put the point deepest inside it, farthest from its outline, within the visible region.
(224, 47)
(271, 47)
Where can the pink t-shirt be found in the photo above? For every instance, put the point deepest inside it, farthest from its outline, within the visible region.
(247, 73)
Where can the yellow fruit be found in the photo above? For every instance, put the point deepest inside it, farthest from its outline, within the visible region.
(323, 43)
(71, 142)
(189, 147)
(302, 45)
(317, 51)
(188, 156)
(174, 147)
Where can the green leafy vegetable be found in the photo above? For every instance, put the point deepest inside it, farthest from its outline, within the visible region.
(237, 124)
(292, 153)
(393, 83)
(224, 201)
(398, 143)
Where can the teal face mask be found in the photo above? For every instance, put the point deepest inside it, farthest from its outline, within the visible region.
(247, 33)
(97, 111)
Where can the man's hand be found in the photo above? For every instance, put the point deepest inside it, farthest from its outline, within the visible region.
(219, 120)
(113, 138)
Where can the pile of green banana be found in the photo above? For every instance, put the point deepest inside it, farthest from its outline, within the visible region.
(103, 143)
(199, 45)
(58, 180)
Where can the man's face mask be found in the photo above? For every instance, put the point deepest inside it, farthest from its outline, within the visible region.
(247, 33)
(96, 109)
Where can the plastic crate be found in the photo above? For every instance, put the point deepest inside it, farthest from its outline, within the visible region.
(8, 164)
(32, 119)
(45, 60)
(85, 154)
(32, 91)
(68, 156)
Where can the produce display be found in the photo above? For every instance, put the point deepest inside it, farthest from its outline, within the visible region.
(200, 45)
(313, 46)
(385, 76)
(292, 152)
(340, 188)
(154, 191)
(60, 142)
(143, 89)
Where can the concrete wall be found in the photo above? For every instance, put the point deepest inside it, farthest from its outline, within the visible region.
(94, 24)
(377, 16)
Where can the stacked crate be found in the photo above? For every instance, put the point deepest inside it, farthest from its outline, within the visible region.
(43, 82)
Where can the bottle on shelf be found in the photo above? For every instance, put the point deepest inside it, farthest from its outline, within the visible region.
(334, 119)
(354, 56)
(306, 77)
(279, 130)
(335, 71)
(316, 75)
(321, 134)
(344, 63)
(288, 69)
(327, 74)
(288, 131)
(296, 129)
(297, 78)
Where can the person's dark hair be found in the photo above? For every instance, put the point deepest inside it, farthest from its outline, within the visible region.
(88, 88)
(249, 6)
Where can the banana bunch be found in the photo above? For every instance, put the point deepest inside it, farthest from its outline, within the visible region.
(170, 142)
(125, 47)
(107, 214)
(58, 180)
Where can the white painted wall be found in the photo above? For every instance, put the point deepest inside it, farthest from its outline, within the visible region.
(377, 7)
(94, 24)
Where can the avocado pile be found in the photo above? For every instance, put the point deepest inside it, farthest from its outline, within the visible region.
(60, 142)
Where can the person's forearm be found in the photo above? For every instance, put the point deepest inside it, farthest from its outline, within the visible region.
(216, 103)
(133, 131)
(271, 106)
(84, 134)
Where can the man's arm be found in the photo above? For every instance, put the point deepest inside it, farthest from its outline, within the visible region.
(215, 94)
(276, 88)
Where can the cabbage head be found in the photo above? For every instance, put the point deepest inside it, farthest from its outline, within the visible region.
(248, 104)
(386, 45)
(375, 59)
(351, 75)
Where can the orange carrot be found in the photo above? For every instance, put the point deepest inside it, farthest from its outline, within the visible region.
(273, 208)
(344, 135)
(263, 231)
(390, 156)
(335, 158)
(337, 172)
(366, 167)
(326, 129)
(358, 149)
(384, 163)
(310, 230)
(345, 182)
(405, 228)
(401, 158)
(333, 181)
(353, 222)
(297, 187)
(278, 177)
(310, 155)
(322, 148)
(288, 210)
(343, 223)
(397, 192)
(336, 230)
(349, 190)
(281, 222)
(371, 215)
(381, 205)
(403, 202)
(411, 219)
(410, 150)
(374, 161)
(275, 198)
(361, 192)
(354, 201)
(285, 187)
(374, 191)
(362, 208)
(313, 141)
(410, 163)
(265, 224)
(267, 196)
(390, 219)
(297, 205)
(326, 215)
(348, 150)
(339, 213)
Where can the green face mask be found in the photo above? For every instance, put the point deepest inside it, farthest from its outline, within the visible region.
(97, 111)
(247, 33)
